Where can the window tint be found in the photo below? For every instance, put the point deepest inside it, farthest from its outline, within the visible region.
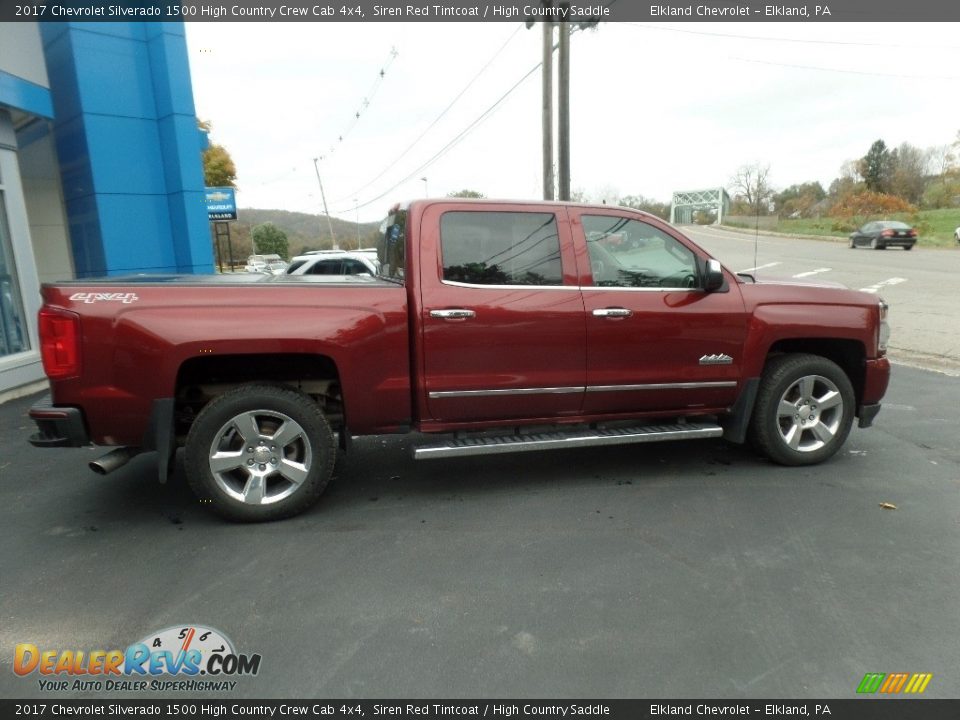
(354, 267)
(630, 253)
(501, 248)
(326, 267)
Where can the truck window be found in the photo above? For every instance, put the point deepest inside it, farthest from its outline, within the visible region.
(326, 267)
(629, 253)
(391, 245)
(500, 248)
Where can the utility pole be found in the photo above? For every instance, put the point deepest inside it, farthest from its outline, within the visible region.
(333, 238)
(563, 111)
(563, 102)
(547, 88)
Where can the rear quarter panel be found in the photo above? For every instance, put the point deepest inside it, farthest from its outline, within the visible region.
(132, 352)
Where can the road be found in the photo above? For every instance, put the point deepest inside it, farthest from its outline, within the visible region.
(677, 570)
(920, 285)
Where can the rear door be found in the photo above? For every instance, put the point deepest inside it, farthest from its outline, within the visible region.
(502, 317)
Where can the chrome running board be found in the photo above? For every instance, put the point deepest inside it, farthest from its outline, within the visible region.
(495, 445)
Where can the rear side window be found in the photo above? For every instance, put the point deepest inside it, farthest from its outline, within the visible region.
(500, 248)
(326, 267)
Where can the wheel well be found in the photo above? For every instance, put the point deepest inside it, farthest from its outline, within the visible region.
(848, 354)
(201, 379)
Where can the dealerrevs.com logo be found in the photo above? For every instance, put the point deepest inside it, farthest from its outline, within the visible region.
(188, 658)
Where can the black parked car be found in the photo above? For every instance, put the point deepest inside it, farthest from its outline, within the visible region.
(881, 234)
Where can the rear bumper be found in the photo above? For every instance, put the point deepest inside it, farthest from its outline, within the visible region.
(58, 426)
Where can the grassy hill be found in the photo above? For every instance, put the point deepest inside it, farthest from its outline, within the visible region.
(304, 231)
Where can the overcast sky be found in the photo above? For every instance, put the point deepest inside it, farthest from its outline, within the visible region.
(654, 107)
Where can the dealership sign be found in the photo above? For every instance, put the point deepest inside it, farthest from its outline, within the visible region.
(221, 203)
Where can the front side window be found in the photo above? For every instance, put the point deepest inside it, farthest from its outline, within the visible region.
(630, 253)
(501, 248)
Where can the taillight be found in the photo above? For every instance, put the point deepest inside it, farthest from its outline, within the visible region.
(912, 233)
(59, 343)
(887, 233)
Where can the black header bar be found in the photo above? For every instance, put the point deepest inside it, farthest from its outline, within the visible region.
(576, 11)
(210, 707)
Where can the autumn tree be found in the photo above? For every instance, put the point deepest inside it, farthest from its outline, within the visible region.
(218, 167)
(798, 199)
(908, 172)
(467, 194)
(639, 202)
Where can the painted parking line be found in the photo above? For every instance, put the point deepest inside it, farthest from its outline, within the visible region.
(759, 267)
(883, 284)
(812, 272)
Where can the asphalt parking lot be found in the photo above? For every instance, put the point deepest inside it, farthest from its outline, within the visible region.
(673, 570)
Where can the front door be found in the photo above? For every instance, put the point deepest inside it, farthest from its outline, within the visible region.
(656, 341)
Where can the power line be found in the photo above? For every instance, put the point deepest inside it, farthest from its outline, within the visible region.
(368, 98)
(849, 72)
(459, 137)
(435, 120)
(450, 145)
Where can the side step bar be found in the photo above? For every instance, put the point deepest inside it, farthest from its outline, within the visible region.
(495, 445)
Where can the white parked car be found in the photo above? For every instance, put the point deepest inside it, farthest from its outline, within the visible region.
(271, 264)
(335, 262)
(956, 234)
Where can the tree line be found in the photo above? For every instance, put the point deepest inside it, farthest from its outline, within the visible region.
(884, 180)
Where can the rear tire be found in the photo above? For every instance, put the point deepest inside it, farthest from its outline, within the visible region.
(259, 453)
(804, 410)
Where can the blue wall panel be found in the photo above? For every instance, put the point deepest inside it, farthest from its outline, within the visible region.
(134, 228)
(20, 94)
(128, 155)
(129, 148)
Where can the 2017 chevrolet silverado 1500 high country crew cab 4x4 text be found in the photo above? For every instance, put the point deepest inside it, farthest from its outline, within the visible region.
(488, 320)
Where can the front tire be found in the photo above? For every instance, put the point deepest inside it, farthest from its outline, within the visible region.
(260, 452)
(804, 410)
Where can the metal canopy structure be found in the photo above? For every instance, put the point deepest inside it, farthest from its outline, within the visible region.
(684, 202)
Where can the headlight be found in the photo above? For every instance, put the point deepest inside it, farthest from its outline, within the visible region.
(883, 333)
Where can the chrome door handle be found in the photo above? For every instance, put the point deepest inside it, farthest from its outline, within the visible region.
(457, 314)
(612, 312)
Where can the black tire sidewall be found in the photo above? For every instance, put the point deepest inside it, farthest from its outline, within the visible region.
(242, 399)
(780, 373)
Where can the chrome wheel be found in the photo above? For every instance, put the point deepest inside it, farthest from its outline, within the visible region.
(259, 452)
(260, 457)
(804, 409)
(810, 413)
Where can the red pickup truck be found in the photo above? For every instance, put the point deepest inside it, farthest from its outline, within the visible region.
(510, 325)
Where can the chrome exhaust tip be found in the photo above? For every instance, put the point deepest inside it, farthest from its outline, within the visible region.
(112, 460)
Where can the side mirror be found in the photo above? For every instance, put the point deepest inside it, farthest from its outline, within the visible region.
(714, 276)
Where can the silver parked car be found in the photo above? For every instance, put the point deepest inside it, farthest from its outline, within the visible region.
(334, 262)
